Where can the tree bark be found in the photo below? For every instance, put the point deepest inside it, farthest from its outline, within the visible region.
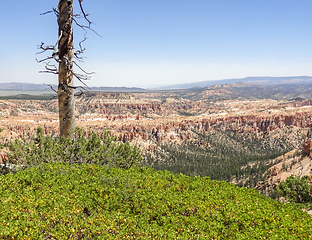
(65, 75)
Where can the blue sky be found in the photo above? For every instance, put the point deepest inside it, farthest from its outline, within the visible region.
(147, 43)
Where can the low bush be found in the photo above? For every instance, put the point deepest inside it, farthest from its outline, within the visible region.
(80, 201)
(97, 148)
(296, 190)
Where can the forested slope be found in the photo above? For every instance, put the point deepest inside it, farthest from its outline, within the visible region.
(228, 155)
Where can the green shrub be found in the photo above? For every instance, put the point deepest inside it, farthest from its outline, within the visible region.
(80, 201)
(103, 150)
(296, 189)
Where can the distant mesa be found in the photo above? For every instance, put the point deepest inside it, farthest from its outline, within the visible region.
(249, 80)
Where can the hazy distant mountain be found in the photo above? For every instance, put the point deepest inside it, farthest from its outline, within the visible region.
(252, 80)
(16, 86)
(117, 89)
(302, 80)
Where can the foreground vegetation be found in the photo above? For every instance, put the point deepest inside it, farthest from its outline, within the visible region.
(93, 188)
(87, 147)
(80, 201)
(297, 191)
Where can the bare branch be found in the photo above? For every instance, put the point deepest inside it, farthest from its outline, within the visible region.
(76, 55)
(53, 69)
(84, 14)
(78, 52)
(46, 12)
(86, 27)
(52, 88)
(42, 60)
(56, 11)
(72, 87)
(48, 72)
(85, 38)
(82, 78)
(46, 48)
(51, 11)
(83, 69)
(50, 47)
(79, 94)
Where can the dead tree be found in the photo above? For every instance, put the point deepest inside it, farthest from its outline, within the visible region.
(66, 98)
(63, 54)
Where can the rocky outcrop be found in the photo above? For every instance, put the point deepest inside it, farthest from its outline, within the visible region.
(139, 127)
(135, 106)
(286, 166)
(303, 103)
(214, 92)
(306, 148)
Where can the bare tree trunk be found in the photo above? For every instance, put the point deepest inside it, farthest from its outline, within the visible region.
(65, 87)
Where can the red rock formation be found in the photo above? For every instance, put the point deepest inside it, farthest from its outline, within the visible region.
(307, 147)
(152, 147)
(275, 171)
(303, 103)
(128, 125)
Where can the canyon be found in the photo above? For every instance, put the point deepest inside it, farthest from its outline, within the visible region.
(162, 123)
(154, 118)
